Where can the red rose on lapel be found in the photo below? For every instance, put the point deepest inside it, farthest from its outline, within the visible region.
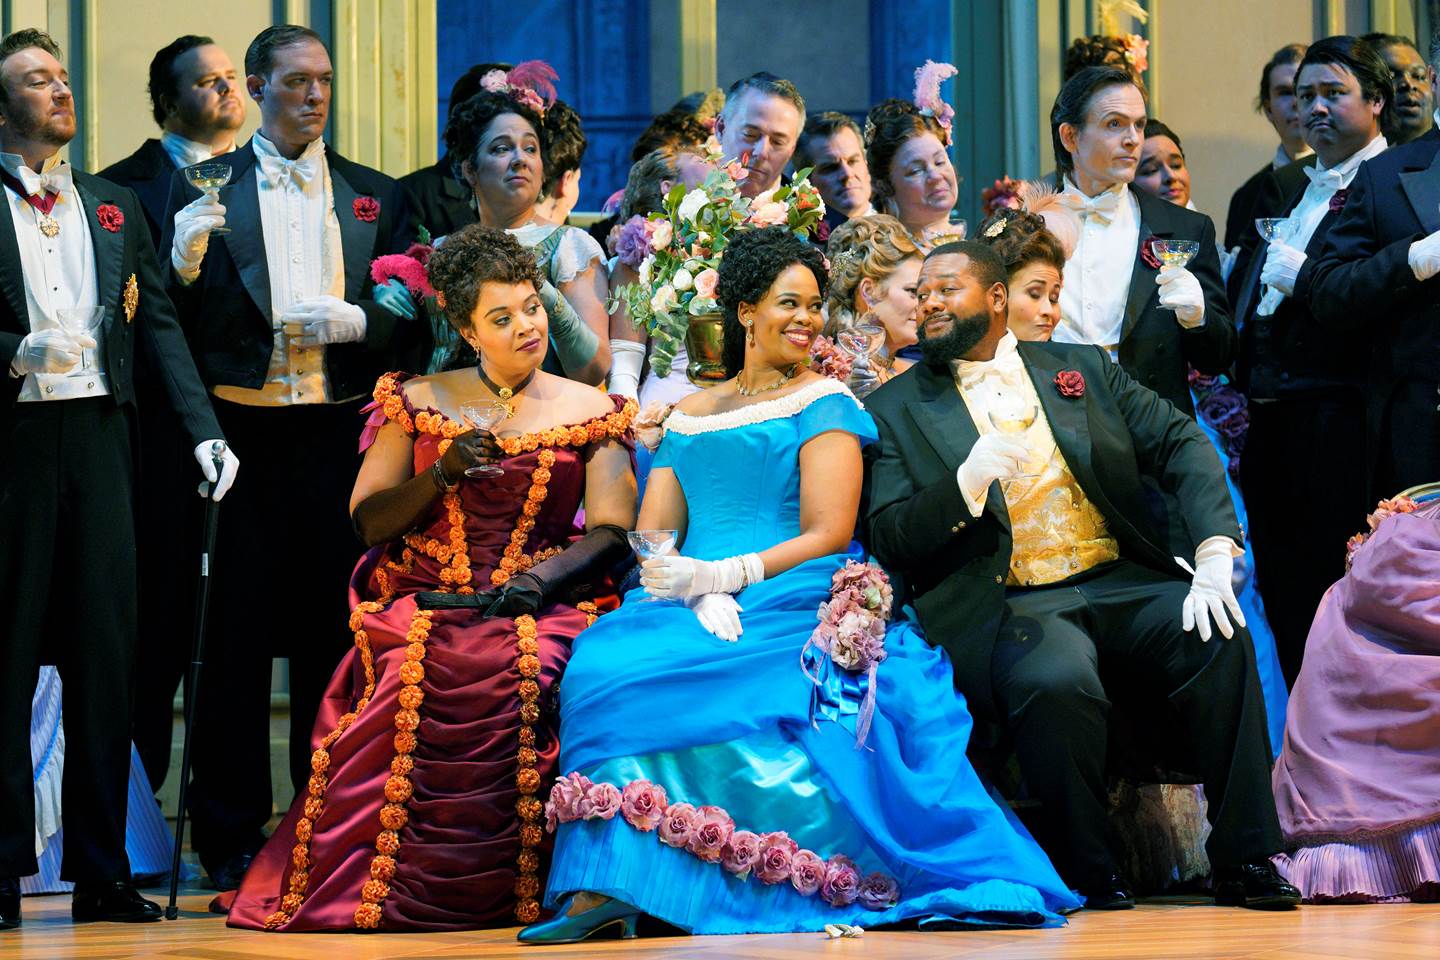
(110, 217)
(1338, 198)
(1070, 383)
(366, 209)
(1148, 254)
(822, 231)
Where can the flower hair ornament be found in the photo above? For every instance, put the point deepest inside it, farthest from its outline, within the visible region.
(531, 83)
(1137, 48)
(928, 78)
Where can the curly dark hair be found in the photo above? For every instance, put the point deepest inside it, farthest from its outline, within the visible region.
(748, 269)
(1096, 50)
(468, 123)
(669, 129)
(471, 257)
(888, 125)
(564, 144)
(1023, 239)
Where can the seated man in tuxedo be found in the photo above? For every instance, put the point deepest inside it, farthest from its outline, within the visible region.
(195, 98)
(72, 241)
(1032, 558)
(1306, 384)
(1377, 276)
(281, 315)
(1156, 322)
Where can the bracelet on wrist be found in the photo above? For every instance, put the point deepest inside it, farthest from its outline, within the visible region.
(442, 483)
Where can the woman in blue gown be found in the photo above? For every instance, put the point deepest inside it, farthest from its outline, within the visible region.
(690, 721)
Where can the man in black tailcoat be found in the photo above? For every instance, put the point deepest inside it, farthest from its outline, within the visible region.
(1303, 470)
(195, 99)
(281, 318)
(1376, 277)
(72, 241)
(1006, 491)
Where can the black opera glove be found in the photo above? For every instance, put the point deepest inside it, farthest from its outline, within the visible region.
(472, 448)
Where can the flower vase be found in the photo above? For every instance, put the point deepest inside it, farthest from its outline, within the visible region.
(705, 345)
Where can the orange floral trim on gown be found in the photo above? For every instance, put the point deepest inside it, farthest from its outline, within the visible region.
(453, 841)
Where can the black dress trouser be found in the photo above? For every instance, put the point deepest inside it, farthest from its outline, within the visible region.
(1065, 651)
(67, 596)
(283, 560)
(1303, 476)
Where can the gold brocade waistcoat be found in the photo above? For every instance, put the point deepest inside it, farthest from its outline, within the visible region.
(1056, 531)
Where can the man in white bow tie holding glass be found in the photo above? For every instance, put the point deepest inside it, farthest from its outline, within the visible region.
(280, 313)
(81, 296)
(1153, 320)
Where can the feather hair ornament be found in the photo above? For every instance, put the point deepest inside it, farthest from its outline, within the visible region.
(1042, 199)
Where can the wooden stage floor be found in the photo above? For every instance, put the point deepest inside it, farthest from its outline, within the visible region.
(1168, 928)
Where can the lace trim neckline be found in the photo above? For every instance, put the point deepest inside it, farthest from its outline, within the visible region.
(780, 408)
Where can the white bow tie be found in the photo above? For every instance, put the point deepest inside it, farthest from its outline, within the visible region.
(1331, 179)
(1101, 208)
(1005, 368)
(57, 179)
(277, 170)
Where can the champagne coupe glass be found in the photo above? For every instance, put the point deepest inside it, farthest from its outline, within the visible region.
(863, 339)
(1176, 253)
(1012, 415)
(482, 415)
(209, 178)
(82, 321)
(652, 543)
(1269, 227)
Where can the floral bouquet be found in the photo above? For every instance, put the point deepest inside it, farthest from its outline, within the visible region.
(852, 631)
(408, 267)
(1224, 408)
(827, 359)
(677, 249)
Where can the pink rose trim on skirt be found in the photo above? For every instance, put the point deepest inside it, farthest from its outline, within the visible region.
(709, 834)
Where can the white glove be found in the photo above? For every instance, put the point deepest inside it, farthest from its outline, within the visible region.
(49, 351)
(193, 224)
(1212, 589)
(719, 613)
(995, 456)
(316, 321)
(627, 364)
(1180, 291)
(1425, 257)
(1227, 262)
(1282, 266)
(229, 462)
(678, 578)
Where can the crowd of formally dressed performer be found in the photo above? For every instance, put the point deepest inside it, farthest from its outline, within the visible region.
(1067, 584)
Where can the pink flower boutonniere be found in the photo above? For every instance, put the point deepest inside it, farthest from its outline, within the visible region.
(1148, 254)
(1338, 198)
(110, 217)
(1070, 383)
(367, 209)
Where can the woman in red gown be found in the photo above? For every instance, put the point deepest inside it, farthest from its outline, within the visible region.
(437, 733)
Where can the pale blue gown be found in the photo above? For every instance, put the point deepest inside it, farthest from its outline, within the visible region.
(649, 694)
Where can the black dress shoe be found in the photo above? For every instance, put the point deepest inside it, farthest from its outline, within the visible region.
(1110, 893)
(1254, 885)
(116, 901)
(227, 874)
(9, 903)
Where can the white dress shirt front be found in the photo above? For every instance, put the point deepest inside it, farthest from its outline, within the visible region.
(304, 258)
(59, 272)
(184, 153)
(1097, 275)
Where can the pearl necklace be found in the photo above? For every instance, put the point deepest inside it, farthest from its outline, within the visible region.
(785, 378)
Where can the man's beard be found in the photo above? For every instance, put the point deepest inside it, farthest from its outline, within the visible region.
(42, 129)
(953, 344)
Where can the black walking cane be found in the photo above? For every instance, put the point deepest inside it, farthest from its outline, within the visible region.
(197, 660)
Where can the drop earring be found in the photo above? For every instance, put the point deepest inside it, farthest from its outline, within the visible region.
(750, 334)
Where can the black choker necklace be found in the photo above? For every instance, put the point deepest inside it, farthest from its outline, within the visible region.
(504, 393)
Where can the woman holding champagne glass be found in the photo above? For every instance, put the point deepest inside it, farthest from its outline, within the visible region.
(874, 266)
(463, 614)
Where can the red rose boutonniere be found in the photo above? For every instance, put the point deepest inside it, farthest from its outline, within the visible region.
(822, 231)
(1338, 198)
(1070, 383)
(1148, 255)
(110, 217)
(367, 209)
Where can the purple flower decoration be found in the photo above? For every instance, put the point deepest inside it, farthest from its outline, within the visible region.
(643, 805)
(842, 881)
(879, 891)
(713, 829)
(741, 853)
(604, 800)
(633, 246)
(777, 852)
(807, 872)
(568, 800)
(677, 825)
